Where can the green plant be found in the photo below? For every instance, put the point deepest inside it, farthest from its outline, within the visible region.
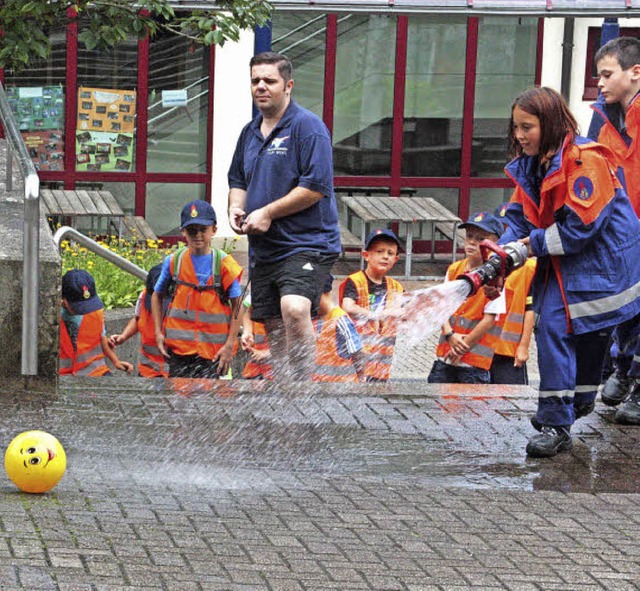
(116, 288)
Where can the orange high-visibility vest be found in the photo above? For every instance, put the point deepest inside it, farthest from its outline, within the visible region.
(511, 323)
(197, 322)
(152, 363)
(87, 359)
(330, 365)
(255, 369)
(465, 319)
(377, 346)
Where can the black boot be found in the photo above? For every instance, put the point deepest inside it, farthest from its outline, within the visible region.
(616, 388)
(629, 412)
(549, 442)
(580, 410)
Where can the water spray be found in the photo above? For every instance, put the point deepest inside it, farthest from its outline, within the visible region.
(502, 261)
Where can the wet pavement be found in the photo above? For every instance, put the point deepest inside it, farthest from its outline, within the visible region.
(240, 485)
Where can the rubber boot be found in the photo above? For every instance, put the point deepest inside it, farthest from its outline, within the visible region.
(549, 442)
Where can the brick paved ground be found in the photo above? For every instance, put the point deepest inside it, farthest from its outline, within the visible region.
(400, 486)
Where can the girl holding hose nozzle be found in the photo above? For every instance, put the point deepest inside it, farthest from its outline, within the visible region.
(572, 213)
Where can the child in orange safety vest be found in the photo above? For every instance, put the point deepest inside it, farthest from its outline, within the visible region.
(83, 341)
(152, 363)
(254, 341)
(509, 365)
(339, 351)
(466, 346)
(199, 332)
(367, 295)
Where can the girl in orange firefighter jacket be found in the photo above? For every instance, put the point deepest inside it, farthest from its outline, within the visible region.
(199, 332)
(572, 212)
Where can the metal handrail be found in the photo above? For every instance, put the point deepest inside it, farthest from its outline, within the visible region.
(31, 234)
(94, 247)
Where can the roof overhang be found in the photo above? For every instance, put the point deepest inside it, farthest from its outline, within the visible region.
(539, 8)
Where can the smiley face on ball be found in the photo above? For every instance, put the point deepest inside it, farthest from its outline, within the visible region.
(35, 461)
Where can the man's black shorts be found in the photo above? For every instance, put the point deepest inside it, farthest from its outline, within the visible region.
(303, 273)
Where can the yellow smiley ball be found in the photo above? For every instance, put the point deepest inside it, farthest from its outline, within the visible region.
(35, 461)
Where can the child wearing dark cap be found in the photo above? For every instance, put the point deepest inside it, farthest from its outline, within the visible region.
(466, 347)
(152, 363)
(366, 295)
(199, 333)
(83, 341)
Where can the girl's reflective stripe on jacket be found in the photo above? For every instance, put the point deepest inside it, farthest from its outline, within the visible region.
(195, 316)
(65, 363)
(555, 393)
(553, 240)
(511, 337)
(604, 305)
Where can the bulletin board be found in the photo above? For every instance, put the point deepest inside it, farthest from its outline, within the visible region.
(106, 110)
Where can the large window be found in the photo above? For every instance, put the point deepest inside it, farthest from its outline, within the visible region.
(364, 94)
(434, 96)
(505, 66)
(37, 98)
(302, 39)
(178, 103)
(107, 108)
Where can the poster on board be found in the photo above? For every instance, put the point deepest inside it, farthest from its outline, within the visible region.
(38, 107)
(106, 110)
(46, 148)
(98, 151)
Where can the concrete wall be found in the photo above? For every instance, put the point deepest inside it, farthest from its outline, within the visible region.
(11, 272)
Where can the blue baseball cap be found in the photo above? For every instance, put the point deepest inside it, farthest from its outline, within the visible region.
(79, 289)
(485, 221)
(150, 284)
(197, 212)
(501, 211)
(384, 233)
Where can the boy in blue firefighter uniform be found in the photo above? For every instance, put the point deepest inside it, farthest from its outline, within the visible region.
(616, 124)
(572, 212)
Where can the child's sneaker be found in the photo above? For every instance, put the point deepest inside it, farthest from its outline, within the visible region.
(549, 442)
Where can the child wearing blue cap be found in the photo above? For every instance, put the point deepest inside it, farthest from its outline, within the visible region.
(83, 341)
(199, 333)
(466, 346)
(365, 295)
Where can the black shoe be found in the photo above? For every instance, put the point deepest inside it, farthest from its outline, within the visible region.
(549, 442)
(629, 412)
(615, 389)
(581, 410)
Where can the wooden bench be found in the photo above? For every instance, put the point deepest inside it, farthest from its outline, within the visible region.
(82, 208)
(136, 227)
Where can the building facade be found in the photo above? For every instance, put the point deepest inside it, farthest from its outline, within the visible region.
(417, 104)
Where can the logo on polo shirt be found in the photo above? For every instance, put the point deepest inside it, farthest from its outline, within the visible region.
(277, 147)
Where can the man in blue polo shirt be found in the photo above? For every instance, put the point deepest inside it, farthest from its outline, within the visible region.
(281, 196)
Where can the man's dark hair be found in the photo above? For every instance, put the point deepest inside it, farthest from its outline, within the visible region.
(625, 49)
(271, 57)
(556, 120)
